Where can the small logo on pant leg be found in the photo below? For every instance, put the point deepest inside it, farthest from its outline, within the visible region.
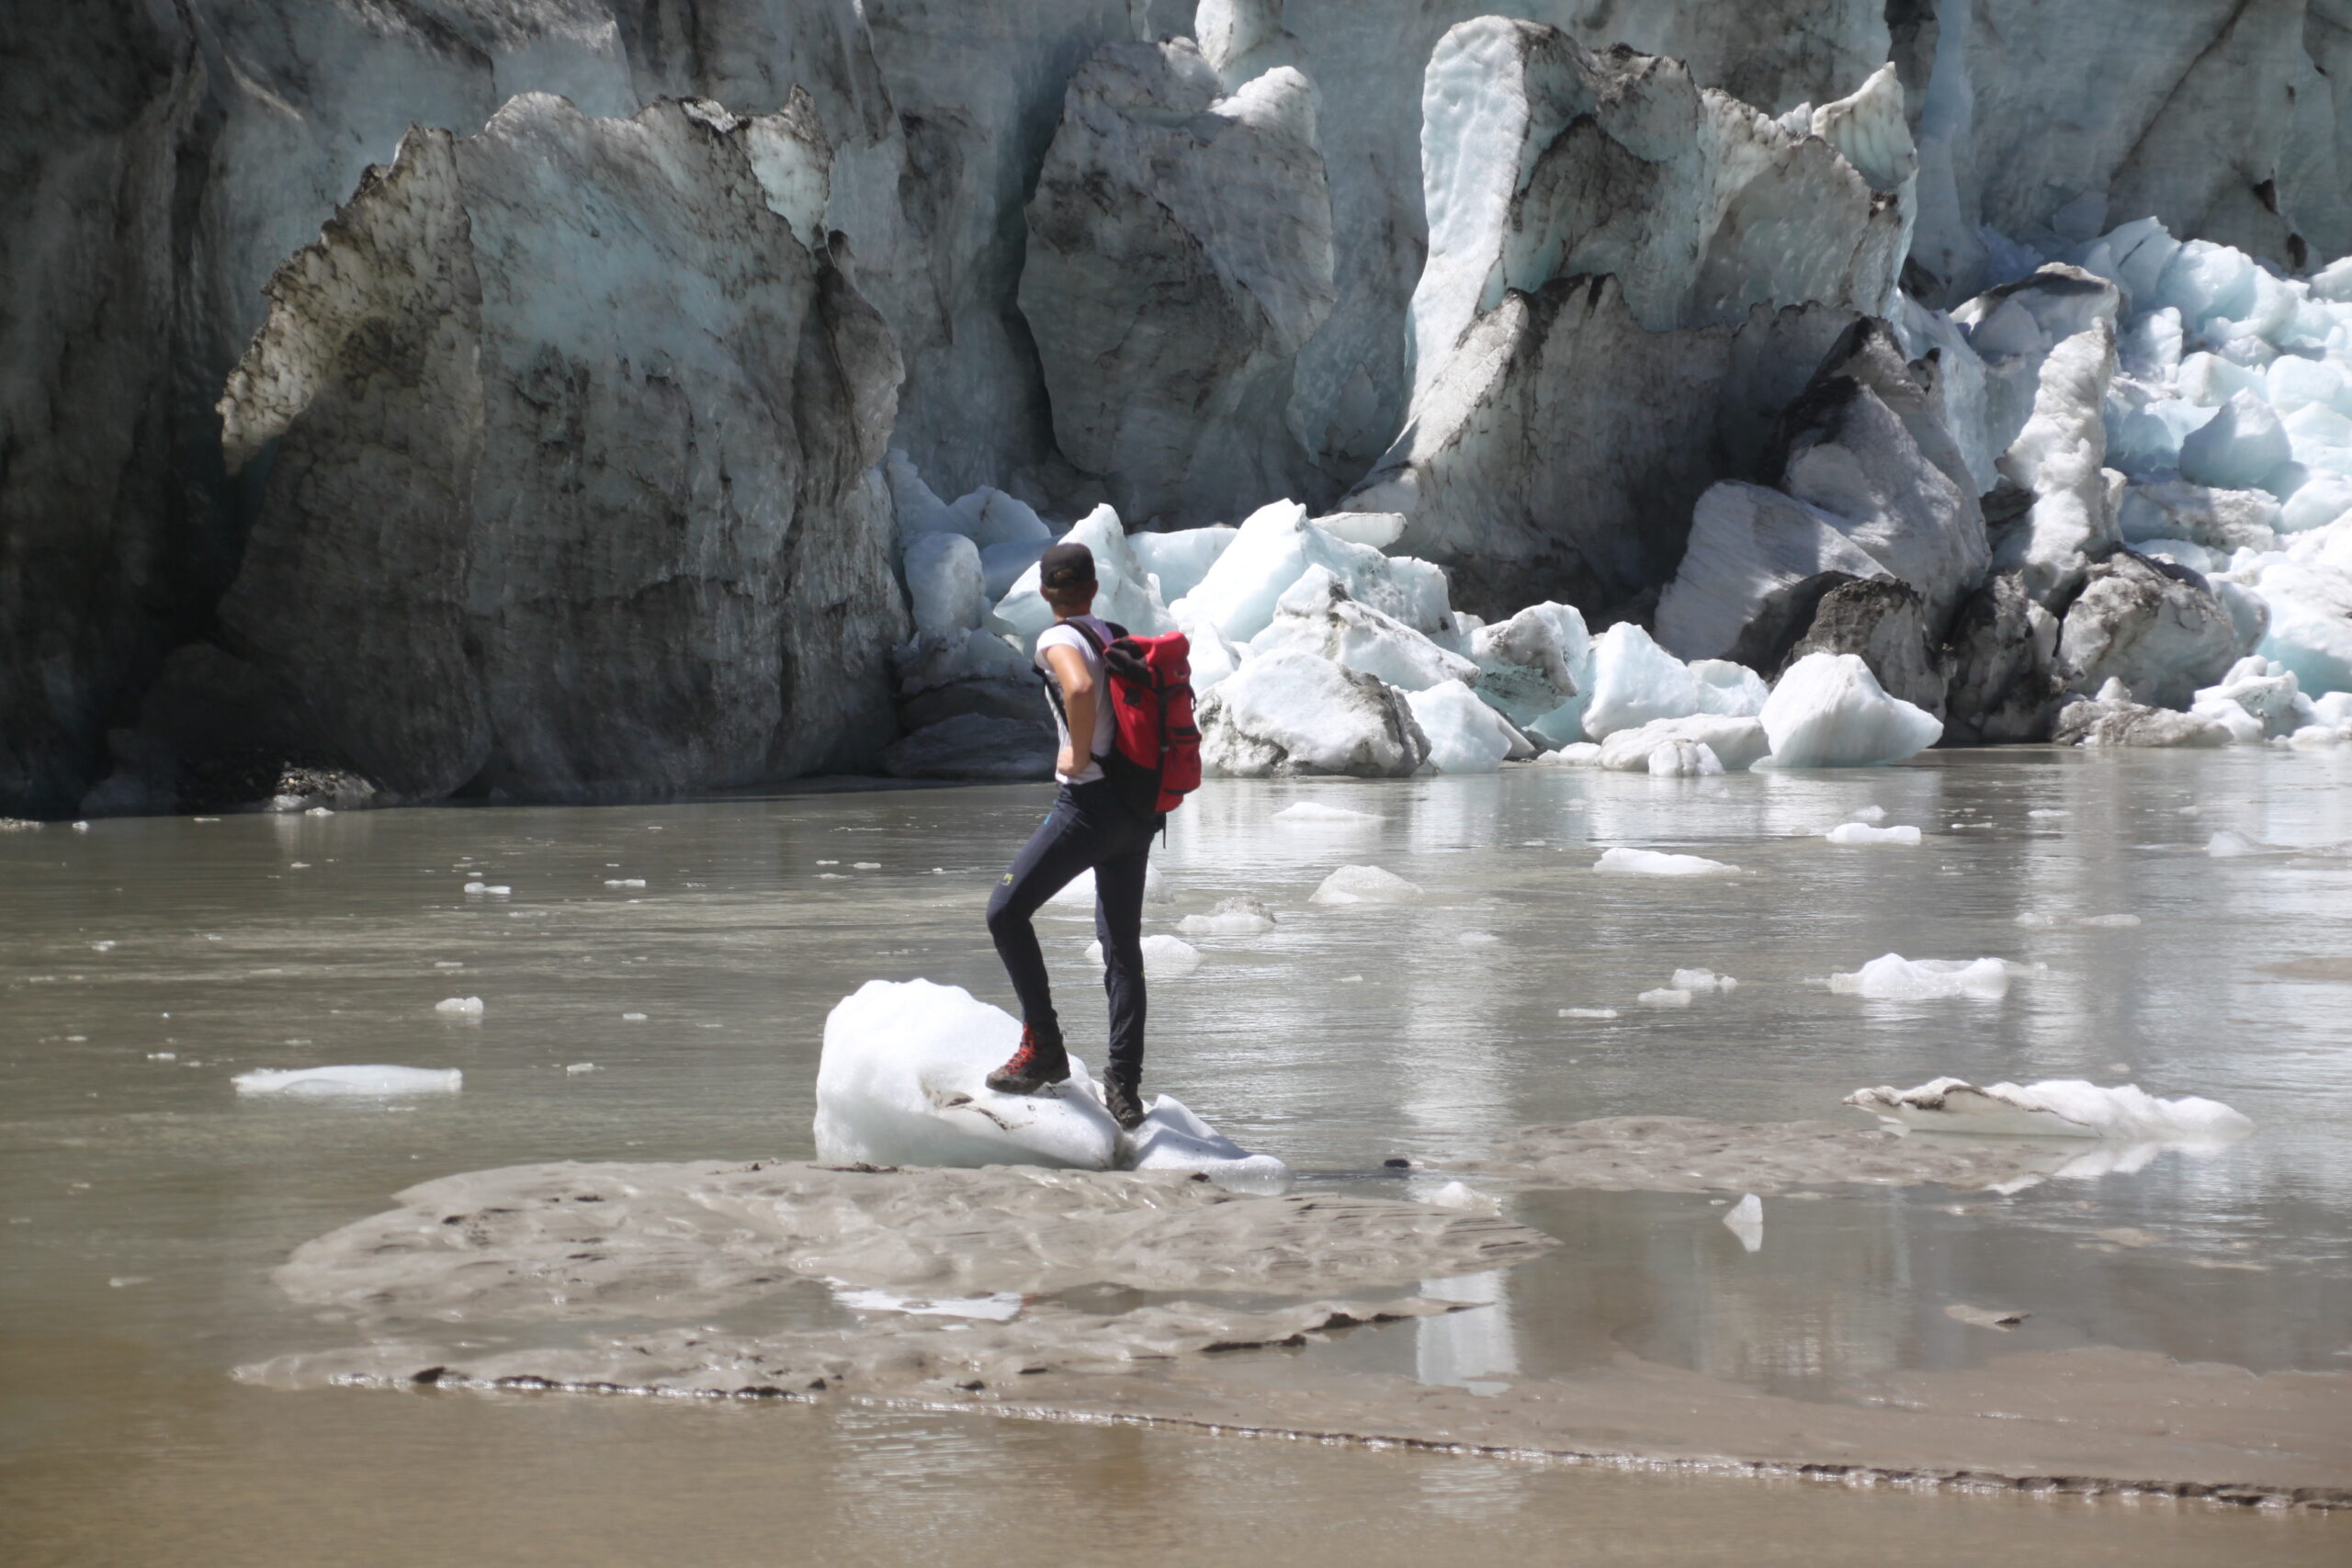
(1006, 879)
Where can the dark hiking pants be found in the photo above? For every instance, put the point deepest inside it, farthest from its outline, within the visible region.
(1088, 830)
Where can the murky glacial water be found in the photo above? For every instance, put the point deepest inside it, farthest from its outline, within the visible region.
(145, 962)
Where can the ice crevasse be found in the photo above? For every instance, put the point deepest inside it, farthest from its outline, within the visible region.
(902, 1081)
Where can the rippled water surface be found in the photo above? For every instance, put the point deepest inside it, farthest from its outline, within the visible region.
(145, 962)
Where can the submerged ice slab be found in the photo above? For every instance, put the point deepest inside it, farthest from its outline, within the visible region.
(2065, 1108)
(377, 1080)
(1321, 811)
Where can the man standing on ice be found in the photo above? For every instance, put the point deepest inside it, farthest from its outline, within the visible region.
(1089, 828)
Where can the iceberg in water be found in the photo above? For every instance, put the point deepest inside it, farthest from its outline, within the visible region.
(902, 1081)
(1656, 862)
(1891, 977)
(1828, 711)
(2060, 1108)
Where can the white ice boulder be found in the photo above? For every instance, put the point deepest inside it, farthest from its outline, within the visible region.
(1179, 561)
(1465, 735)
(2241, 448)
(1828, 711)
(2063, 1107)
(1290, 712)
(1633, 682)
(1684, 759)
(1892, 978)
(1123, 594)
(902, 1081)
(1271, 551)
(2311, 622)
(1365, 885)
(2263, 691)
(1655, 862)
(371, 1081)
(1164, 957)
(1537, 668)
(1858, 833)
(1318, 615)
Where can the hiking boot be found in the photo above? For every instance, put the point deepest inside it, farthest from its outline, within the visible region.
(1033, 1069)
(1121, 1099)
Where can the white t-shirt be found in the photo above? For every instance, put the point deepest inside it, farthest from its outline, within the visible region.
(1063, 634)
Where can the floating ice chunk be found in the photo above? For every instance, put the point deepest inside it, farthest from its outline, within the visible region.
(1465, 735)
(632, 1018)
(459, 1006)
(2049, 811)
(487, 890)
(1477, 938)
(1828, 711)
(1164, 957)
(1241, 916)
(854, 865)
(1579, 754)
(2228, 845)
(1588, 1012)
(900, 1081)
(1868, 814)
(1365, 885)
(1653, 862)
(574, 1069)
(1665, 997)
(626, 881)
(1173, 1138)
(447, 964)
(1080, 890)
(81, 827)
(1863, 833)
(1746, 1220)
(1317, 811)
(2109, 922)
(2067, 1108)
(2315, 737)
(103, 946)
(377, 1080)
(1702, 980)
(1462, 1196)
(1892, 978)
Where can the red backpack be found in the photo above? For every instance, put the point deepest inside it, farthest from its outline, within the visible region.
(1155, 758)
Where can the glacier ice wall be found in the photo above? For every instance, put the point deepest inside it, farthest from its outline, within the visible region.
(164, 160)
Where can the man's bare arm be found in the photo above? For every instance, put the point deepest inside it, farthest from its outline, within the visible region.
(1078, 705)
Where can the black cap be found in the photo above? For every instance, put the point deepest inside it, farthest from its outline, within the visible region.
(1065, 566)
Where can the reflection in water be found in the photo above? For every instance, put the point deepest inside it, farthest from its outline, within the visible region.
(1469, 1349)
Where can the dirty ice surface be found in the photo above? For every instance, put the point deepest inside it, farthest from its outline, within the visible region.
(1334, 1037)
